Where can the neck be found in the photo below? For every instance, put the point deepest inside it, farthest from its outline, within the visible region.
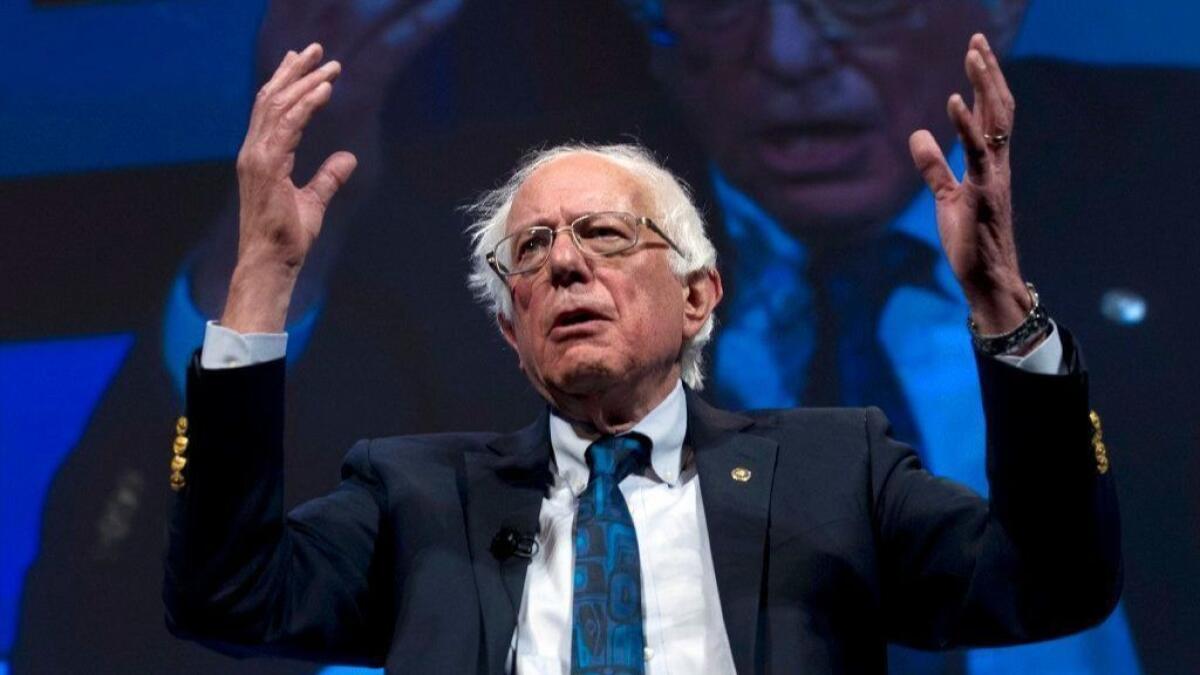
(618, 408)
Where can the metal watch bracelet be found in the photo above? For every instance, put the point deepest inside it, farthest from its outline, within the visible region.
(1032, 327)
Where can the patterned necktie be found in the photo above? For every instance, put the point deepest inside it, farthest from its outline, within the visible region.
(607, 608)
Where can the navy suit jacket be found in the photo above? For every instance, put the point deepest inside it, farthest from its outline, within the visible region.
(837, 543)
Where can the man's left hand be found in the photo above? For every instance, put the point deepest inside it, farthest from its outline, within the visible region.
(975, 215)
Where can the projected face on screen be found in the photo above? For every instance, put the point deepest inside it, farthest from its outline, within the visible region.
(807, 105)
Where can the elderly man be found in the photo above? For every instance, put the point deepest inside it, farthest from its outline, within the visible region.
(631, 527)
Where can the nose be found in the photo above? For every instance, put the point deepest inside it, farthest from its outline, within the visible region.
(790, 46)
(567, 264)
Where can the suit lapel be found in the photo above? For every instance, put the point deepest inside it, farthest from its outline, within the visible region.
(505, 486)
(736, 474)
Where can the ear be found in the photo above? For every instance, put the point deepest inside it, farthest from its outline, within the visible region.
(702, 291)
(510, 336)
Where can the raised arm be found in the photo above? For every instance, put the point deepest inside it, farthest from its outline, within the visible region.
(279, 221)
(1039, 559)
(974, 215)
(374, 41)
(1042, 557)
(240, 575)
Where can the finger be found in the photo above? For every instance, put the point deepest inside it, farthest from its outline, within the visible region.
(287, 98)
(971, 136)
(332, 175)
(990, 112)
(268, 105)
(976, 70)
(284, 64)
(931, 162)
(258, 110)
(291, 69)
(997, 74)
(291, 127)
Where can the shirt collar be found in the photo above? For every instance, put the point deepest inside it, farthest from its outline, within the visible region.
(665, 426)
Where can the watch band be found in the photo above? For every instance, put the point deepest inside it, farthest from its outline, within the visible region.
(1031, 328)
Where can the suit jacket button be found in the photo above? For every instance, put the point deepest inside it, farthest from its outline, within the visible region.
(741, 474)
(181, 426)
(1101, 456)
(1098, 448)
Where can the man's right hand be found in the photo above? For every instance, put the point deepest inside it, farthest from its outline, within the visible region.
(375, 40)
(279, 221)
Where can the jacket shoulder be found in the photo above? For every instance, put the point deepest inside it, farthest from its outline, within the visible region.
(839, 435)
(840, 420)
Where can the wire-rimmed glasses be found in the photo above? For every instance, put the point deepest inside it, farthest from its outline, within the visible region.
(600, 234)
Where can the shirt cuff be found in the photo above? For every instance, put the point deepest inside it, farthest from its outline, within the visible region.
(184, 329)
(1045, 359)
(227, 348)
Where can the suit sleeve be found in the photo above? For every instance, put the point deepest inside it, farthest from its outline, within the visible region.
(240, 575)
(1039, 560)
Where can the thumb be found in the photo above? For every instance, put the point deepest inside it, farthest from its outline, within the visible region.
(332, 175)
(931, 163)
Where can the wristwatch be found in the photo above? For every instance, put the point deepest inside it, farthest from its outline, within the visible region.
(1032, 328)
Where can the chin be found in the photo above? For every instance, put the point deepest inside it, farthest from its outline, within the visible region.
(585, 377)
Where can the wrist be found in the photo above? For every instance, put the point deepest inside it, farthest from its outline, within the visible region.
(1021, 338)
(1001, 309)
(259, 296)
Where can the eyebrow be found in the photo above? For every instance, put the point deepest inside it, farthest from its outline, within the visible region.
(546, 221)
(541, 221)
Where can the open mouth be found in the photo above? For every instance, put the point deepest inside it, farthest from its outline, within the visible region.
(576, 320)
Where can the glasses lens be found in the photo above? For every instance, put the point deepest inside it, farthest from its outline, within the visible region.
(524, 250)
(606, 233)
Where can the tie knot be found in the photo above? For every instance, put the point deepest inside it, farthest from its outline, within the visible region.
(618, 456)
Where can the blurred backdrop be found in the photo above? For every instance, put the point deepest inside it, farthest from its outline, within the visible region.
(119, 122)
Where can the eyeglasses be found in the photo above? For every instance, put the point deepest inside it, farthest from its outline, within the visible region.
(836, 20)
(598, 235)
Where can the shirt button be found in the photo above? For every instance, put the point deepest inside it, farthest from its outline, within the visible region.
(578, 486)
(647, 653)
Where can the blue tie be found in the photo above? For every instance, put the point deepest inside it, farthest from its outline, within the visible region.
(607, 608)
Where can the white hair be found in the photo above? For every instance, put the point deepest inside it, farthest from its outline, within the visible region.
(672, 210)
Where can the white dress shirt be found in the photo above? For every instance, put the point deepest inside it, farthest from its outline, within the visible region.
(684, 629)
(682, 620)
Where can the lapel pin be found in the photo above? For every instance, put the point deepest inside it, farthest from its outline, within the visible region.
(741, 474)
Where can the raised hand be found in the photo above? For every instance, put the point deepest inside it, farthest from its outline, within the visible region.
(374, 40)
(975, 215)
(278, 220)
